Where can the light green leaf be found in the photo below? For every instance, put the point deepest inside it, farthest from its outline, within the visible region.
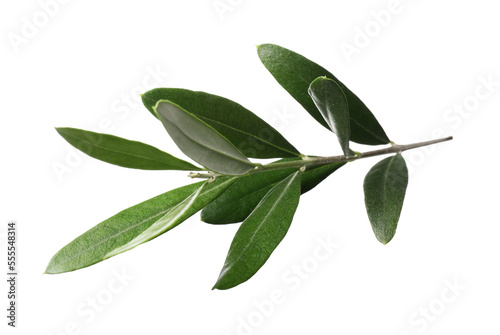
(119, 151)
(201, 142)
(385, 188)
(120, 230)
(244, 195)
(260, 233)
(245, 130)
(332, 103)
(178, 214)
(295, 72)
(92, 246)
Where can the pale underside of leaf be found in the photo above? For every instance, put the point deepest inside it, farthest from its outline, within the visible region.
(120, 232)
(245, 130)
(178, 214)
(332, 103)
(201, 142)
(92, 246)
(167, 222)
(294, 73)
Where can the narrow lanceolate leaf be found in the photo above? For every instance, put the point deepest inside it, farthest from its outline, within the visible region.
(93, 246)
(111, 235)
(245, 130)
(201, 142)
(178, 214)
(260, 233)
(385, 188)
(295, 72)
(119, 151)
(332, 103)
(244, 195)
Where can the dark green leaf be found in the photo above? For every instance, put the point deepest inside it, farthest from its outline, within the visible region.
(260, 233)
(120, 232)
(201, 142)
(244, 195)
(245, 130)
(385, 188)
(332, 103)
(295, 72)
(122, 152)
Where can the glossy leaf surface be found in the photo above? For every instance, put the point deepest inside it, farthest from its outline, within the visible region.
(332, 103)
(93, 246)
(260, 233)
(385, 188)
(119, 151)
(295, 73)
(244, 195)
(246, 131)
(179, 213)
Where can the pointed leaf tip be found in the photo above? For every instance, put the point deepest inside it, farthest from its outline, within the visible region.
(260, 233)
(92, 246)
(136, 225)
(122, 152)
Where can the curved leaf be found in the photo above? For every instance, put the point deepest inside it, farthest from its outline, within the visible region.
(332, 103)
(244, 195)
(93, 246)
(178, 214)
(201, 142)
(260, 233)
(121, 232)
(295, 72)
(385, 188)
(245, 130)
(119, 151)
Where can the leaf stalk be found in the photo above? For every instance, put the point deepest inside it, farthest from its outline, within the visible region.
(308, 161)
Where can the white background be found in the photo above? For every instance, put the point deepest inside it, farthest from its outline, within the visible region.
(81, 67)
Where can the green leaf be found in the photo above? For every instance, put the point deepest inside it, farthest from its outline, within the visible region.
(332, 103)
(178, 214)
(96, 243)
(114, 234)
(260, 233)
(385, 188)
(119, 151)
(245, 130)
(295, 72)
(244, 195)
(201, 142)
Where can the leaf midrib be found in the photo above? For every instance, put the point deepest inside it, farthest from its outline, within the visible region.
(384, 185)
(252, 193)
(113, 236)
(263, 221)
(163, 212)
(350, 116)
(247, 162)
(251, 135)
